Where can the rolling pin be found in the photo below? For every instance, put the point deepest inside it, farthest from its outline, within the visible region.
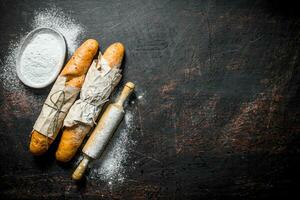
(99, 138)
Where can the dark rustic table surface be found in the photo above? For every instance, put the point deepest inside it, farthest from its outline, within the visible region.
(220, 115)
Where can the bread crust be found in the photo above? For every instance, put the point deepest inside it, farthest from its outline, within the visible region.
(75, 71)
(73, 137)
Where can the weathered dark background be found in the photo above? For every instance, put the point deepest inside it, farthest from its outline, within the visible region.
(221, 117)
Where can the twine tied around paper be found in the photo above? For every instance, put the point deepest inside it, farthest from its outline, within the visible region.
(56, 106)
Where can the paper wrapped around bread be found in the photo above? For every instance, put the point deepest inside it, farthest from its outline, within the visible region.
(61, 97)
(101, 79)
(98, 85)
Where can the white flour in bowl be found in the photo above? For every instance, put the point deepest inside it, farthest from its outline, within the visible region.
(50, 18)
(40, 59)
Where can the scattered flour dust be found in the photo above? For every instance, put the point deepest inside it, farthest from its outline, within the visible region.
(51, 18)
(111, 168)
(56, 19)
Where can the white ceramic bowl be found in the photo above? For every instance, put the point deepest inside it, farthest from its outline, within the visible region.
(59, 66)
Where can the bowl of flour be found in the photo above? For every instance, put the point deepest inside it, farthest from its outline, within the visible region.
(41, 57)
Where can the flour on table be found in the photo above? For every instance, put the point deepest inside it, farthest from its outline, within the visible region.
(111, 168)
(53, 18)
(140, 96)
(67, 26)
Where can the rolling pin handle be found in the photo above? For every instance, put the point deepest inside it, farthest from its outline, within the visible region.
(78, 173)
(127, 90)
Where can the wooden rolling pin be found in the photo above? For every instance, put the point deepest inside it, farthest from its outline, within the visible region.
(99, 138)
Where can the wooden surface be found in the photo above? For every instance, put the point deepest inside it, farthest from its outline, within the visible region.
(221, 111)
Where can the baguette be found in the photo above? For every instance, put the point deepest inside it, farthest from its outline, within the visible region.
(73, 136)
(74, 71)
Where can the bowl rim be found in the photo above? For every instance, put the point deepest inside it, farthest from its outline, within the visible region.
(26, 41)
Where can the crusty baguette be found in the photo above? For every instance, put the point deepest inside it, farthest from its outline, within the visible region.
(72, 137)
(75, 71)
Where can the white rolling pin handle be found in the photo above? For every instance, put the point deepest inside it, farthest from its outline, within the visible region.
(78, 173)
(127, 90)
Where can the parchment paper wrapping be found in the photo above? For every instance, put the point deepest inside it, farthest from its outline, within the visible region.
(98, 85)
(55, 108)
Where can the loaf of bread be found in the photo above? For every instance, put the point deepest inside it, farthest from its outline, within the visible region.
(73, 136)
(74, 71)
